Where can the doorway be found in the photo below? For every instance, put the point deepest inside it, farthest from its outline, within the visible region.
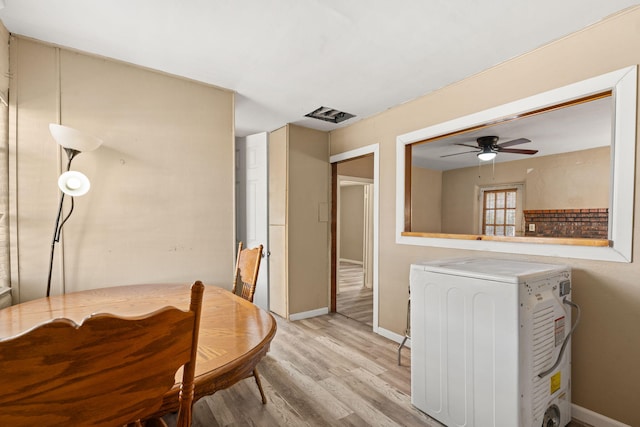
(354, 235)
(354, 247)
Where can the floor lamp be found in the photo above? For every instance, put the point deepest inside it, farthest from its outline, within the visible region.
(72, 183)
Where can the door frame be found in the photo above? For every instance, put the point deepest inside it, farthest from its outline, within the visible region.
(334, 160)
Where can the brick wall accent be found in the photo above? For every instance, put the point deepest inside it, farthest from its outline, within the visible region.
(578, 223)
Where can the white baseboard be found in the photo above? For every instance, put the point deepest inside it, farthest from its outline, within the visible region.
(593, 418)
(393, 336)
(308, 314)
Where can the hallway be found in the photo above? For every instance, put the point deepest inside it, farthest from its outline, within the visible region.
(354, 300)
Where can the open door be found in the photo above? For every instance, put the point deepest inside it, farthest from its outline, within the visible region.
(252, 198)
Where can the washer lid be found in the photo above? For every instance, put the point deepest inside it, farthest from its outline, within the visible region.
(501, 270)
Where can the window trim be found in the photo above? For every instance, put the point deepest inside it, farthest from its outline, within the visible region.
(519, 189)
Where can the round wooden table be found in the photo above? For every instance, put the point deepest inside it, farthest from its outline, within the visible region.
(234, 333)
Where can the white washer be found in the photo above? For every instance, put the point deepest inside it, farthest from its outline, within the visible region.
(482, 332)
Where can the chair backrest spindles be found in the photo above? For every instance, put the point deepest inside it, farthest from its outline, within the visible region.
(246, 271)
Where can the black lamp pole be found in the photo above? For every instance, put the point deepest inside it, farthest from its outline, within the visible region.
(71, 153)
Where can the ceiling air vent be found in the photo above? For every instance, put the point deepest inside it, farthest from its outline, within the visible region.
(329, 115)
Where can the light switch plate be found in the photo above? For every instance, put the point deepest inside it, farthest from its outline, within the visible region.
(323, 212)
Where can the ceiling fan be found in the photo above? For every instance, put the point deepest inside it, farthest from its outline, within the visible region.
(488, 147)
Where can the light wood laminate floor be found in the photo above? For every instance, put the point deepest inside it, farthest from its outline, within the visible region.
(354, 300)
(330, 370)
(325, 371)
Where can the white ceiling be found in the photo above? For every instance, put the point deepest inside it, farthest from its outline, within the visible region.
(285, 58)
(578, 127)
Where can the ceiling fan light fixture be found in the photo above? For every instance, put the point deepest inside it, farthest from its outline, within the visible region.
(486, 154)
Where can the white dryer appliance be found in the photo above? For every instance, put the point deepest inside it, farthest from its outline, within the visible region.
(490, 342)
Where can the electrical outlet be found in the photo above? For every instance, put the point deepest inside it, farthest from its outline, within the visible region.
(532, 227)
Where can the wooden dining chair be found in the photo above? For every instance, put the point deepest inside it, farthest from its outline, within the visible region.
(106, 371)
(246, 273)
(244, 285)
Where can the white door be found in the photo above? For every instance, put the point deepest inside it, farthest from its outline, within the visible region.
(252, 220)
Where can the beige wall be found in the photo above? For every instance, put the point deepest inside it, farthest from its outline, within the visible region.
(361, 167)
(606, 345)
(351, 222)
(352, 207)
(278, 289)
(308, 219)
(575, 180)
(299, 177)
(161, 205)
(4, 160)
(583, 177)
(426, 200)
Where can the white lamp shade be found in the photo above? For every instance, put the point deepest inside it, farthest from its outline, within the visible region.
(73, 138)
(74, 183)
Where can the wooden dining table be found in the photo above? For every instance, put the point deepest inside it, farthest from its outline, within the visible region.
(234, 333)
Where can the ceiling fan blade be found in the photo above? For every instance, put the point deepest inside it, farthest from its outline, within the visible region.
(516, 151)
(514, 142)
(467, 145)
(456, 154)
